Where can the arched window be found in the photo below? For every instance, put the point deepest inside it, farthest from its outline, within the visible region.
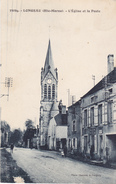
(45, 90)
(53, 91)
(49, 92)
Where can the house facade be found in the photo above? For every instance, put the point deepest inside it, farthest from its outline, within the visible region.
(99, 119)
(52, 134)
(5, 133)
(57, 130)
(74, 128)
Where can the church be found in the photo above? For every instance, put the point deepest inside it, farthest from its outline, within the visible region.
(49, 94)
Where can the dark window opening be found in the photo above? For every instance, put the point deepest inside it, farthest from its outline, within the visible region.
(45, 91)
(92, 116)
(100, 114)
(53, 91)
(49, 92)
(85, 118)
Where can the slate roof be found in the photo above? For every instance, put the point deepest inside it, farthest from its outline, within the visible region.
(76, 103)
(61, 119)
(49, 64)
(111, 78)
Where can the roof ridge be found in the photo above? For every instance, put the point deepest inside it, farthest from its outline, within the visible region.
(99, 85)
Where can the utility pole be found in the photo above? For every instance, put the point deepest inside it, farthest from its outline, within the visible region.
(8, 83)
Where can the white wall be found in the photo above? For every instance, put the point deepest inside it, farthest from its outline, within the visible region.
(52, 127)
(61, 132)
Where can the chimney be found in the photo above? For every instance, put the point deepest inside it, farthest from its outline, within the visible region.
(110, 63)
(73, 99)
(69, 98)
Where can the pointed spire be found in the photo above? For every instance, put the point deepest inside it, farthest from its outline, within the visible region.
(49, 64)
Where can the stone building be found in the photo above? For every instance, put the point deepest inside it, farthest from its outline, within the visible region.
(74, 128)
(49, 91)
(99, 118)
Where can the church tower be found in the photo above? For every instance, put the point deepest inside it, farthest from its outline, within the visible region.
(49, 90)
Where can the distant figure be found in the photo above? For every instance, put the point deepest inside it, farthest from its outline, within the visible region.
(72, 150)
(65, 150)
(11, 147)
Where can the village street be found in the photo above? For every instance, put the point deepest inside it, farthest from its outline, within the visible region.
(50, 167)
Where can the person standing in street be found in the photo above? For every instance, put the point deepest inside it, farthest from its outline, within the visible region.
(65, 150)
(11, 147)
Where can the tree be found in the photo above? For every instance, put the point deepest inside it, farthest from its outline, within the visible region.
(29, 124)
(29, 133)
(16, 137)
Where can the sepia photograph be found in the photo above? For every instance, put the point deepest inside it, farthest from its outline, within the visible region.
(58, 91)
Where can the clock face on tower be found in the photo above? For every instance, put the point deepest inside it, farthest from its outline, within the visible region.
(49, 81)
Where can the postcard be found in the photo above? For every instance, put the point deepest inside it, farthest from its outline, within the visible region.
(58, 91)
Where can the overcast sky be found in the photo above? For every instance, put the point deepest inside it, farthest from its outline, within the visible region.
(80, 43)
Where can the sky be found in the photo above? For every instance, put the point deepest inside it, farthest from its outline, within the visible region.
(82, 34)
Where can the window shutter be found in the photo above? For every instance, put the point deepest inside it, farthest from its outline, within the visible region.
(96, 116)
(89, 117)
(75, 143)
(95, 143)
(83, 119)
(82, 143)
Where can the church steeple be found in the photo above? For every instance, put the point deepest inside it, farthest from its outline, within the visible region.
(49, 91)
(49, 64)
